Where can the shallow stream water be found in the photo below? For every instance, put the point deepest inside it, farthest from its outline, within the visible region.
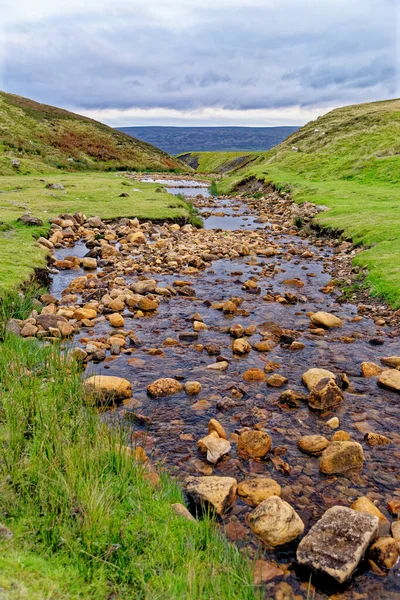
(176, 423)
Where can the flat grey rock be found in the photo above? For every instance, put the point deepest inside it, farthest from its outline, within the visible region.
(337, 542)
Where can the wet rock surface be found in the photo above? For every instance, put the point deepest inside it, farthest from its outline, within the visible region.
(337, 542)
(185, 296)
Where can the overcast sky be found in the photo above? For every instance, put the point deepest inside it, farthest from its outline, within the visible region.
(208, 62)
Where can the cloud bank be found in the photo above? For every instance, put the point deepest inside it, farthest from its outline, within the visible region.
(242, 61)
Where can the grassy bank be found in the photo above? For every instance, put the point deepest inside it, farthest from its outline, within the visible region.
(90, 193)
(348, 160)
(86, 521)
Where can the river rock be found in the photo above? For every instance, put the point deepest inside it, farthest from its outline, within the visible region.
(340, 457)
(341, 436)
(364, 505)
(336, 544)
(144, 287)
(214, 425)
(116, 320)
(396, 531)
(333, 423)
(211, 492)
(325, 395)
(165, 386)
(275, 522)
(192, 388)
(89, 264)
(276, 380)
(82, 314)
(311, 377)
(236, 330)
(254, 443)
(313, 444)
(29, 329)
(254, 374)
(391, 361)
(390, 380)
(214, 446)
(325, 319)
(256, 490)
(109, 387)
(241, 346)
(229, 307)
(147, 304)
(376, 439)
(182, 511)
(218, 366)
(370, 369)
(95, 222)
(384, 552)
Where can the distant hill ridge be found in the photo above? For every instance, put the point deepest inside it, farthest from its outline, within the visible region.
(37, 138)
(359, 142)
(178, 140)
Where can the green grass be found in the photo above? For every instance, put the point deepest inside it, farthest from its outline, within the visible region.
(220, 162)
(86, 522)
(352, 166)
(91, 193)
(45, 138)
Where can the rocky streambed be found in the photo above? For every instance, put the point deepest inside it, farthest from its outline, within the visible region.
(235, 367)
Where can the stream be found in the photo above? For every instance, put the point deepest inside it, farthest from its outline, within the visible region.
(170, 427)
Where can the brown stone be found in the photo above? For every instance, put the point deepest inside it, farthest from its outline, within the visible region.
(313, 444)
(215, 493)
(192, 388)
(384, 552)
(256, 490)
(340, 457)
(254, 444)
(116, 320)
(254, 374)
(241, 346)
(370, 369)
(265, 571)
(165, 386)
(376, 439)
(325, 395)
(275, 522)
(390, 380)
(364, 505)
(214, 425)
(108, 387)
(276, 380)
(313, 376)
(325, 319)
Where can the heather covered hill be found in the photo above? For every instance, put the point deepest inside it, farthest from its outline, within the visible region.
(36, 138)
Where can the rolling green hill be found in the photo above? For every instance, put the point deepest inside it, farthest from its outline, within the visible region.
(42, 139)
(348, 160)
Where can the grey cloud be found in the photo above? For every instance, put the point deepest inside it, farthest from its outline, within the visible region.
(238, 58)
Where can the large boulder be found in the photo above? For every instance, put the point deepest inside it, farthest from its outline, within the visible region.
(275, 522)
(325, 319)
(256, 490)
(337, 542)
(340, 457)
(166, 386)
(390, 380)
(215, 493)
(313, 376)
(109, 387)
